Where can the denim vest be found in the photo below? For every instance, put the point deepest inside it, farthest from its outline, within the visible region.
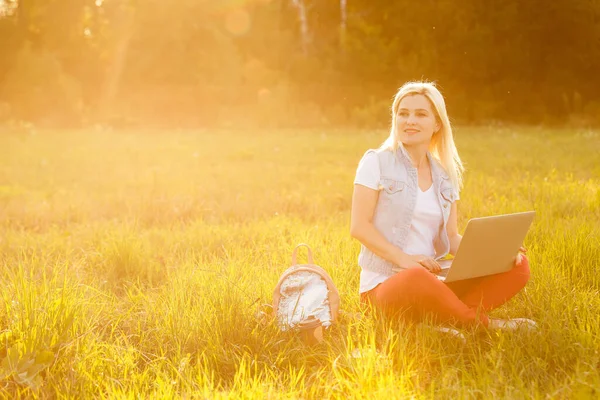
(395, 207)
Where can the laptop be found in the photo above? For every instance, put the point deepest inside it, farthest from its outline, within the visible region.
(489, 246)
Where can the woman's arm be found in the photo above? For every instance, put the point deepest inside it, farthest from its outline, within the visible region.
(452, 229)
(364, 201)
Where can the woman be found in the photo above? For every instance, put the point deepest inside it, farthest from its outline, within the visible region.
(404, 213)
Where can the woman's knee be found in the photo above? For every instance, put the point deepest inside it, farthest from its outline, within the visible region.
(406, 285)
(418, 274)
(422, 281)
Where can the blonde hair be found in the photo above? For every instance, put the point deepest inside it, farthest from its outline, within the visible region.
(442, 145)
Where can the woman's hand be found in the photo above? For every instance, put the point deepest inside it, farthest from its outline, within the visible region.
(522, 251)
(407, 261)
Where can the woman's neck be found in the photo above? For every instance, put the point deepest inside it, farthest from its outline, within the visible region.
(418, 155)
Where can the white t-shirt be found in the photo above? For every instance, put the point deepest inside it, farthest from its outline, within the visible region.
(424, 227)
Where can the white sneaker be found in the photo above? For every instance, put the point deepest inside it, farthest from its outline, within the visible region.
(450, 331)
(513, 324)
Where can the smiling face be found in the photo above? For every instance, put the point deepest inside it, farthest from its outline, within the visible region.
(416, 121)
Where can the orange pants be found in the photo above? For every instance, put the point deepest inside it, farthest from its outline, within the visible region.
(417, 293)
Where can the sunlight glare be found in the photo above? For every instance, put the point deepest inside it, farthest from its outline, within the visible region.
(237, 22)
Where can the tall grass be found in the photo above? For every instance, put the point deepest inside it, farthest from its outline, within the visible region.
(137, 264)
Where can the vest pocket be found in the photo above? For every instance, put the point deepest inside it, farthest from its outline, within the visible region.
(391, 186)
(391, 190)
(448, 197)
(448, 194)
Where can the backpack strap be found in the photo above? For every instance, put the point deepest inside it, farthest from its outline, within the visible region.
(295, 252)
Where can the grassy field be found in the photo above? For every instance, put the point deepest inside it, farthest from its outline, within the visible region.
(134, 264)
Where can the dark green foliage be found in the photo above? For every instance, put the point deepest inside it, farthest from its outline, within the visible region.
(198, 63)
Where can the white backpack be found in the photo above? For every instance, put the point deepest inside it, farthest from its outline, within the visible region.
(305, 299)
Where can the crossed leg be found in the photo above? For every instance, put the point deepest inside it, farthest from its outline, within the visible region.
(418, 293)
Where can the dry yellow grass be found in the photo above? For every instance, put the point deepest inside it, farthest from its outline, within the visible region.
(133, 264)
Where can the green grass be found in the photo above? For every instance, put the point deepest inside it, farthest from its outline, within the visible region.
(135, 265)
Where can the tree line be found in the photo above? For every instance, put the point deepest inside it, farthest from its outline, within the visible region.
(195, 63)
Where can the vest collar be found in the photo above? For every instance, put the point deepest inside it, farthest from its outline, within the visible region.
(437, 171)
